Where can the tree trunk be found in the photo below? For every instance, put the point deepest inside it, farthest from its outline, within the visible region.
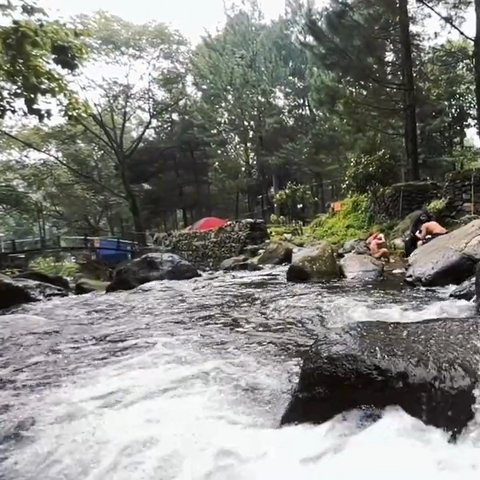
(476, 56)
(134, 207)
(237, 205)
(411, 141)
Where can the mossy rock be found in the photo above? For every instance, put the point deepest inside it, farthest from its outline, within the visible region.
(313, 264)
(276, 253)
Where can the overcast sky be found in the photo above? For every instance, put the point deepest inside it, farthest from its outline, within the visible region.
(191, 17)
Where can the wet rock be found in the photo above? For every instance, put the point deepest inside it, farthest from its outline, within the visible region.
(55, 280)
(239, 263)
(428, 368)
(151, 267)
(86, 285)
(361, 267)
(465, 291)
(398, 244)
(403, 228)
(252, 251)
(276, 253)
(359, 247)
(313, 263)
(449, 259)
(18, 291)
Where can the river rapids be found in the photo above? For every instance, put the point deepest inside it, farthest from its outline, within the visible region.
(188, 380)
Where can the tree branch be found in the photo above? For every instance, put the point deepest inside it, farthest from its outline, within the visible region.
(445, 19)
(61, 162)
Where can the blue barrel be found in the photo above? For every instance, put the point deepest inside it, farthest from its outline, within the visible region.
(114, 251)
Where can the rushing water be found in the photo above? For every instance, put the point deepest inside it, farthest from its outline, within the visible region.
(188, 380)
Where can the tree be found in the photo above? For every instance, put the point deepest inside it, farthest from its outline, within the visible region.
(31, 49)
(130, 106)
(446, 101)
(409, 102)
(369, 84)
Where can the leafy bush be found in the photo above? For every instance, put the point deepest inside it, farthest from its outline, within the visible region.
(50, 266)
(437, 206)
(294, 199)
(368, 173)
(353, 221)
(277, 219)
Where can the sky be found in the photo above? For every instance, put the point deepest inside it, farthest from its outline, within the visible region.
(191, 17)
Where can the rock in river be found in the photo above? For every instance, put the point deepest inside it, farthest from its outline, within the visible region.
(86, 285)
(359, 247)
(464, 291)
(428, 368)
(313, 263)
(361, 267)
(276, 253)
(241, 262)
(449, 259)
(56, 280)
(150, 267)
(17, 291)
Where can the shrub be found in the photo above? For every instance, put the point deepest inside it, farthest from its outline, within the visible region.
(50, 266)
(352, 222)
(295, 200)
(368, 173)
(437, 206)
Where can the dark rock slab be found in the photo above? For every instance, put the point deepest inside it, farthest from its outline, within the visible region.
(428, 368)
(151, 267)
(18, 291)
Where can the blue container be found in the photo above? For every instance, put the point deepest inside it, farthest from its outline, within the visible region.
(113, 251)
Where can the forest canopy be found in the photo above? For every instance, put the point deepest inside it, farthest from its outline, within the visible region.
(110, 127)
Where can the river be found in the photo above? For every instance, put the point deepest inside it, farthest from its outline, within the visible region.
(188, 380)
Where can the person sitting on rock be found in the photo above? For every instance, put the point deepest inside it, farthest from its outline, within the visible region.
(430, 230)
(377, 244)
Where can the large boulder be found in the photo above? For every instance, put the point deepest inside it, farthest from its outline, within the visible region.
(55, 280)
(239, 263)
(18, 291)
(315, 263)
(428, 368)
(449, 259)
(362, 268)
(359, 247)
(151, 267)
(276, 253)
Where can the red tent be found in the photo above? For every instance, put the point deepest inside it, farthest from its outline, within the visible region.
(208, 223)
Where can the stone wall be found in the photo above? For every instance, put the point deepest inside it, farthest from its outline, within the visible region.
(462, 193)
(208, 249)
(398, 200)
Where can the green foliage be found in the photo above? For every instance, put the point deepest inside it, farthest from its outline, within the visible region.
(437, 206)
(352, 222)
(368, 173)
(295, 199)
(50, 266)
(277, 219)
(31, 49)
(466, 158)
